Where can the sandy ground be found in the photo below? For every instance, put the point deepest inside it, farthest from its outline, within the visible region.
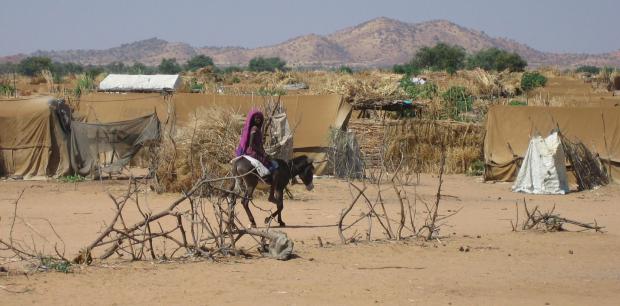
(501, 268)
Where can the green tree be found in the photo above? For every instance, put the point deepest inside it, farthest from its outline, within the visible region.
(93, 71)
(8, 68)
(31, 66)
(531, 80)
(266, 64)
(496, 59)
(440, 57)
(116, 67)
(139, 68)
(588, 69)
(199, 61)
(169, 66)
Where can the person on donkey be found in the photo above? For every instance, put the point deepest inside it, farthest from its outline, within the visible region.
(251, 145)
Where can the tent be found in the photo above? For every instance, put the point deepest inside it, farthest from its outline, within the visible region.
(508, 131)
(311, 117)
(140, 83)
(98, 148)
(543, 170)
(33, 138)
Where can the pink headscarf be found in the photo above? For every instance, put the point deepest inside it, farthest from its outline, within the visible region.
(245, 133)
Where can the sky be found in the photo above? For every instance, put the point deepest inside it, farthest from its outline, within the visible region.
(548, 25)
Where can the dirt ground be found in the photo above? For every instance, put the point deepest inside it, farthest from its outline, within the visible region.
(501, 268)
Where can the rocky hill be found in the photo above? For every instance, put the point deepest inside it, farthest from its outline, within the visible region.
(376, 43)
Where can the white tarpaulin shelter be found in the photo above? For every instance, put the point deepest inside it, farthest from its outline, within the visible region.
(543, 170)
(140, 83)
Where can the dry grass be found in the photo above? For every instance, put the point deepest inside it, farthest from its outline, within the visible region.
(206, 145)
(418, 143)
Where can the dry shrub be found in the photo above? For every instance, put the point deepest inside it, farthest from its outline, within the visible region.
(206, 145)
(418, 144)
(364, 87)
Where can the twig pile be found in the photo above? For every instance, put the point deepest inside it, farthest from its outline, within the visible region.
(404, 226)
(548, 221)
(589, 170)
(195, 226)
(345, 157)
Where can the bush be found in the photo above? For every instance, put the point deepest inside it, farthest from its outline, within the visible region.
(345, 69)
(264, 91)
(195, 86)
(199, 61)
(32, 66)
(440, 57)
(476, 168)
(266, 64)
(72, 178)
(6, 89)
(93, 71)
(457, 100)
(517, 103)
(496, 59)
(169, 66)
(418, 91)
(407, 69)
(232, 69)
(588, 69)
(85, 84)
(531, 80)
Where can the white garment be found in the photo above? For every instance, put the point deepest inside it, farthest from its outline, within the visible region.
(260, 168)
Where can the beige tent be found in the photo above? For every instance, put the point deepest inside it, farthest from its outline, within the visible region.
(509, 129)
(33, 144)
(310, 116)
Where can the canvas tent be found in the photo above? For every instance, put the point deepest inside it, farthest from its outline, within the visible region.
(543, 170)
(33, 138)
(99, 148)
(140, 83)
(311, 117)
(509, 128)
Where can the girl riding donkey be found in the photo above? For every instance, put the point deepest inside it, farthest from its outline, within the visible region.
(252, 163)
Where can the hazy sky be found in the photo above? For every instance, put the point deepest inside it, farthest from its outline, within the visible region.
(547, 25)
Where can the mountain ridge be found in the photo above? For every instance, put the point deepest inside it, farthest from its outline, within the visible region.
(379, 42)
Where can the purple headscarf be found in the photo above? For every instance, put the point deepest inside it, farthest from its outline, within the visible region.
(245, 135)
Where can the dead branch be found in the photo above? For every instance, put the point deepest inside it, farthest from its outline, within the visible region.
(548, 221)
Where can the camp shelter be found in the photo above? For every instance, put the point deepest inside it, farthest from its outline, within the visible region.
(310, 116)
(543, 170)
(100, 148)
(33, 138)
(140, 83)
(509, 129)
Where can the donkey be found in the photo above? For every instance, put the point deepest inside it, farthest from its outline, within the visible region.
(279, 178)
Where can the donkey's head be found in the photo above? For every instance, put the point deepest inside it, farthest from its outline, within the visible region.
(302, 166)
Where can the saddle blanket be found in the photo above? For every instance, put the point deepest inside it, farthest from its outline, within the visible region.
(260, 168)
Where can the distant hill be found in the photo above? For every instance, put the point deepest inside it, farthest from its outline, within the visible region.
(376, 43)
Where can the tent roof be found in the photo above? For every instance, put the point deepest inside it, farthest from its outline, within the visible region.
(140, 83)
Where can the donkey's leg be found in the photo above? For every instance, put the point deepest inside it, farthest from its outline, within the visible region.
(246, 205)
(280, 206)
(279, 197)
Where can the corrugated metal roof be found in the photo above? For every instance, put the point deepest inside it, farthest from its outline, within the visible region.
(139, 82)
